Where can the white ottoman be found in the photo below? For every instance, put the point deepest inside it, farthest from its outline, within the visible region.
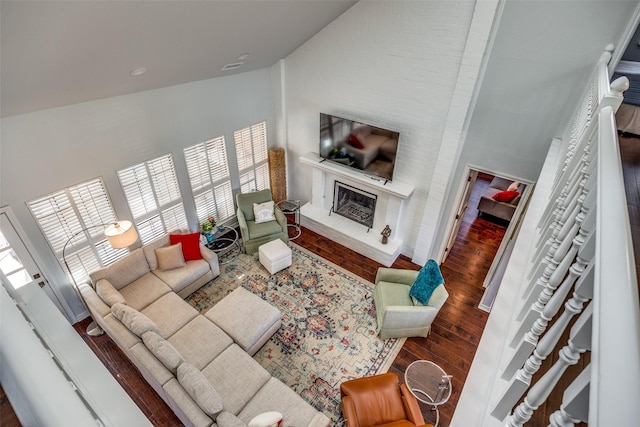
(275, 255)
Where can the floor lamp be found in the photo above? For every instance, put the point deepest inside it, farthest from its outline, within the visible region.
(120, 234)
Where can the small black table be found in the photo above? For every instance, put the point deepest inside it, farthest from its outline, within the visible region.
(225, 244)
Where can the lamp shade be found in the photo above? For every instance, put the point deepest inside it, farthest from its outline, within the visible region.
(121, 234)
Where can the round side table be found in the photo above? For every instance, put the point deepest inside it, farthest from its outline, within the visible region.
(429, 383)
(225, 244)
(292, 207)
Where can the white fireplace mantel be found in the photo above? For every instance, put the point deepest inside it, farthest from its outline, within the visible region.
(317, 216)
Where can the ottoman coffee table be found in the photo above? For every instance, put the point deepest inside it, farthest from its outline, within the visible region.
(275, 256)
(248, 319)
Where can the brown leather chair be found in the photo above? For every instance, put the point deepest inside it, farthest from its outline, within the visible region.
(379, 401)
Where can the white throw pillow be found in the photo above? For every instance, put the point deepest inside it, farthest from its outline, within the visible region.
(263, 212)
(267, 419)
(170, 257)
(514, 186)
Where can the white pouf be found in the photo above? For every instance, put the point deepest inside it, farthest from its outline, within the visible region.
(275, 255)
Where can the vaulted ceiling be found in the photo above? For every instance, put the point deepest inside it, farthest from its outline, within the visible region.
(55, 53)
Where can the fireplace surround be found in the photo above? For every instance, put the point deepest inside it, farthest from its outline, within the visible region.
(354, 204)
(390, 198)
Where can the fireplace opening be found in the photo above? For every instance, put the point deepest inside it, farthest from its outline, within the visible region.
(355, 204)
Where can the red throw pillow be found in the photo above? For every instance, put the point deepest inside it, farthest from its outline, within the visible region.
(190, 245)
(505, 196)
(355, 142)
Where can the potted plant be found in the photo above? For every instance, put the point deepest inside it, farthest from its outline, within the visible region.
(209, 228)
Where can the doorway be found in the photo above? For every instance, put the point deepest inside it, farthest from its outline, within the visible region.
(18, 266)
(482, 231)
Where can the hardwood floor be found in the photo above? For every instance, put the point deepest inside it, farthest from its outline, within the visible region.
(454, 337)
(451, 344)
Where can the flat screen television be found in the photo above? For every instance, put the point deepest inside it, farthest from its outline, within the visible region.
(366, 148)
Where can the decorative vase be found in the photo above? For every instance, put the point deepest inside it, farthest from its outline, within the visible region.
(210, 233)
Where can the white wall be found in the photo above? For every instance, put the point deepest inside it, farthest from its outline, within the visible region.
(391, 64)
(532, 80)
(51, 149)
(397, 64)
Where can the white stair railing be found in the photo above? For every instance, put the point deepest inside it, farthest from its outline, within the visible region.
(578, 243)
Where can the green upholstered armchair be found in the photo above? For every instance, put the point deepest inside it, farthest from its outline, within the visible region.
(254, 235)
(396, 313)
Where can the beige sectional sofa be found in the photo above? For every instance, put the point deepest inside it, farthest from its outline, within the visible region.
(200, 365)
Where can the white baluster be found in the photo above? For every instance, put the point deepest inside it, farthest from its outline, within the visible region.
(575, 402)
(522, 379)
(579, 342)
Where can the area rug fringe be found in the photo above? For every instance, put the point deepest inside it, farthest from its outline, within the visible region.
(328, 324)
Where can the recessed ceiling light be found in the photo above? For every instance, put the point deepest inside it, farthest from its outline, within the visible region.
(138, 71)
(243, 57)
(232, 66)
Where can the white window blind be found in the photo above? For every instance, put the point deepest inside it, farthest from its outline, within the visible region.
(65, 214)
(251, 152)
(153, 195)
(210, 182)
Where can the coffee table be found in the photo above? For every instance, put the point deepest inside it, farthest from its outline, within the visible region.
(429, 383)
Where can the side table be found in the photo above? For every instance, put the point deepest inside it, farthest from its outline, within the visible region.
(225, 244)
(429, 383)
(292, 207)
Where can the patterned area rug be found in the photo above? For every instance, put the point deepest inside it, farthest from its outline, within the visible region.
(328, 325)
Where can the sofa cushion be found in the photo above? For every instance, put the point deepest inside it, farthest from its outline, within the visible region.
(115, 328)
(151, 364)
(505, 196)
(135, 321)
(145, 290)
(150, 250)
(170, 257)
(182, 403)
(263, 212)
(232, 368)
(200, 389)
(226, 419)
(263, 229)
(248, 319)
(190, 245)
(179, 278)
(163, 350)
(170, 313)
(200, 341)
(108, 293)
(513, 186)
(123, 271)
(298, 412)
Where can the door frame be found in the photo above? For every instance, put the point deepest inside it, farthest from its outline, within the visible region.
(464, 190)
(461, 208)
(29, 256)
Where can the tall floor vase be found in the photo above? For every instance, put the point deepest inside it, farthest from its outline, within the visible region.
(277, 174)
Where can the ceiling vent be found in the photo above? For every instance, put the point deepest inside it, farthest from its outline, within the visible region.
(233, 66)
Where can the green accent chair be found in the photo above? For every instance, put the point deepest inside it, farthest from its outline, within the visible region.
(396, 313)
(255, 235)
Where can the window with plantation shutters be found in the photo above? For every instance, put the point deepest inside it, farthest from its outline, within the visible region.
(153, 195)
(78, 212)
(252, 155)
(210, 182)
